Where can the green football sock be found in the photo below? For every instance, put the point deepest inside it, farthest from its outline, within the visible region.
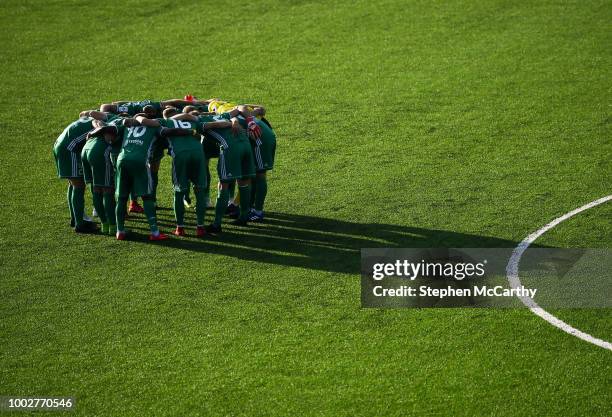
(200, 195)
(179, 208)
(69, 195)
(149, 209)
(78, 205)
(260, 193)
(155, 176)
(253, 191)
(221, 206)
(208, 180)
(98, 203)
(109, 208)
(120, 213)
(245, 201)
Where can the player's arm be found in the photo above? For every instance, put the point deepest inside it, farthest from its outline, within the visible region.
(130, 121)
(112, 107)
(237, 127)
(147, 122)
(185, 116)
(174, 102)
(221, 124)
(253, 129)
(256, 110)
(241, 110)
(108, 132)
(100, 131)
(176, 131)
(168, 131)
(234, 112)
(201, 102)
(98, 115)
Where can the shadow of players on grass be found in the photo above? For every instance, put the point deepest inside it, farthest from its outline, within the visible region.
(310, 242)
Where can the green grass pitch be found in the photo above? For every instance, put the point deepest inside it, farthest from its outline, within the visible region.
(400, 124)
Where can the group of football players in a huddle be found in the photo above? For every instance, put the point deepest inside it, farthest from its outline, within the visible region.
(117, 151)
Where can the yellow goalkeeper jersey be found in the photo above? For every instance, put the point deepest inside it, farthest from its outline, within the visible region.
(220, 106)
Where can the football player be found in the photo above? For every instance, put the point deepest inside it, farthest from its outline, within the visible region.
(98, 171)
(151, 109)
(187, 166)
(218, 106)
(67, 153)
(235, 164)
(263, 145)
(133, 173)
(219, 125)
(154, 108)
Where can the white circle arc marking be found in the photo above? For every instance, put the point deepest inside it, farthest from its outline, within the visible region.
(513, 277)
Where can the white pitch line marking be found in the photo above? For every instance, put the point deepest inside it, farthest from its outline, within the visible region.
(513, 278)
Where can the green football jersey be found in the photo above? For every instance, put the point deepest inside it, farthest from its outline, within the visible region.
(138, 142)
(134, 107)
(75, 134)
(112, 120)
(267, 134)
(186, 143)
(224, 137)
(199, 107)
(111, 117)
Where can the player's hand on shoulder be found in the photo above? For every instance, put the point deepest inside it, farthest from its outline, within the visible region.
(253, 128)
(236, 128)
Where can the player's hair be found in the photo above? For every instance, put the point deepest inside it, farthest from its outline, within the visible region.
(109, 136)
(169, 112)
(148, 109)
(189, 109)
